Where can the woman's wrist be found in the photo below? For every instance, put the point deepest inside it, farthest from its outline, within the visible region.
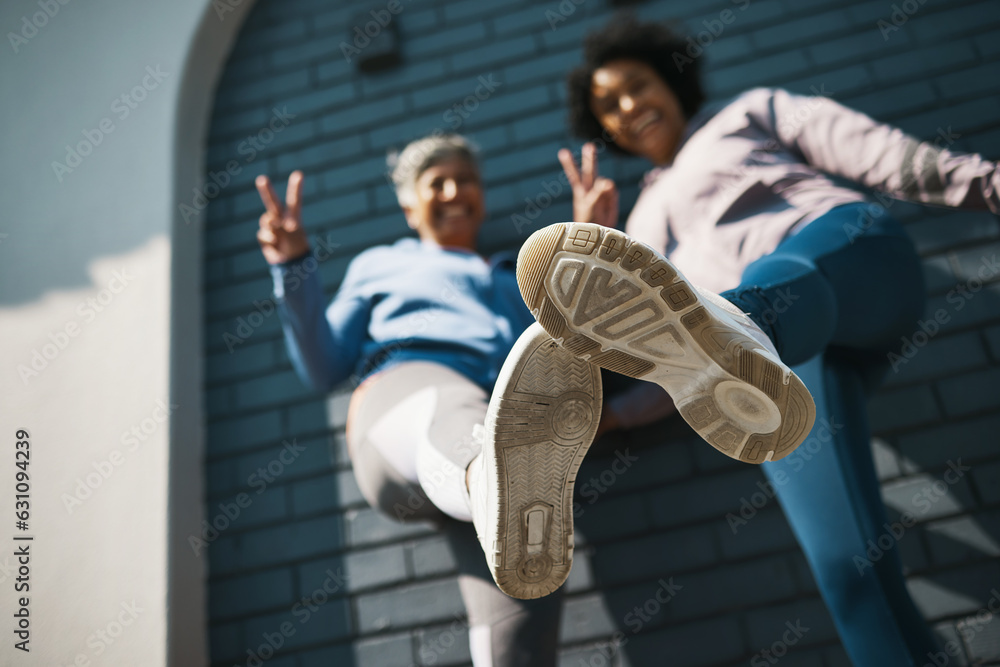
(295, 260)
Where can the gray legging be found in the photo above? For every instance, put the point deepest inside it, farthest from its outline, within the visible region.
(409, 434)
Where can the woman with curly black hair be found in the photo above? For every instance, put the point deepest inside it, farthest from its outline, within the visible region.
(743, 200)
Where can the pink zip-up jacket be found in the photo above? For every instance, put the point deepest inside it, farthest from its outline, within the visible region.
(749, 173)
(761, 166)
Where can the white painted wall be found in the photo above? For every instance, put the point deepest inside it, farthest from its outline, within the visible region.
(100, 289)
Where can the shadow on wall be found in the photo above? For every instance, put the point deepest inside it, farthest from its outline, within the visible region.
(282, 572)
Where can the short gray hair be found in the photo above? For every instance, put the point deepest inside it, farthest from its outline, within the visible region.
(421, 155)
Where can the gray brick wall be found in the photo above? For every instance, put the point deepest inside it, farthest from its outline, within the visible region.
(301, 568)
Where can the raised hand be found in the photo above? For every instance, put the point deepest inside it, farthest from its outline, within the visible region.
(595, 198)
(281, 235)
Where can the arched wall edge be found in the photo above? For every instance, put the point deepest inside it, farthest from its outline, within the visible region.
(187, 593)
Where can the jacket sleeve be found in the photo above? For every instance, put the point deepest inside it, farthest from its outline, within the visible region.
(847, 143)
(324, 347)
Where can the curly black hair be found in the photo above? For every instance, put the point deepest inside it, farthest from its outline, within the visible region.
(662, 46)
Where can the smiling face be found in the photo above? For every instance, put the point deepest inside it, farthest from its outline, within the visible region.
(447, 207)
(636, 106)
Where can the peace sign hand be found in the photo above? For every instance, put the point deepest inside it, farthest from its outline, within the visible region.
(281, 235)
(595, 198)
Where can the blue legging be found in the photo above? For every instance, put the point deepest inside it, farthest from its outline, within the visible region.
(835, 298)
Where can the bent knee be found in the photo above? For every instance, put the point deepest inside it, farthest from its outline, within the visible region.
(387, 491)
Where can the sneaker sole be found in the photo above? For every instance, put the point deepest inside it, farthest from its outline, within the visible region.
(622, 306)
(541, 421)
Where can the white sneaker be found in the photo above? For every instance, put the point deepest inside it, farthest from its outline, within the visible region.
(622, 306)
(541, 420)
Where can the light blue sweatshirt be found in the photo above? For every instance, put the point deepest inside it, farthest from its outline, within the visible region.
(408, 301)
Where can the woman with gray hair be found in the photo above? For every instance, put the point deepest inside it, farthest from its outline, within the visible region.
(427, 324)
